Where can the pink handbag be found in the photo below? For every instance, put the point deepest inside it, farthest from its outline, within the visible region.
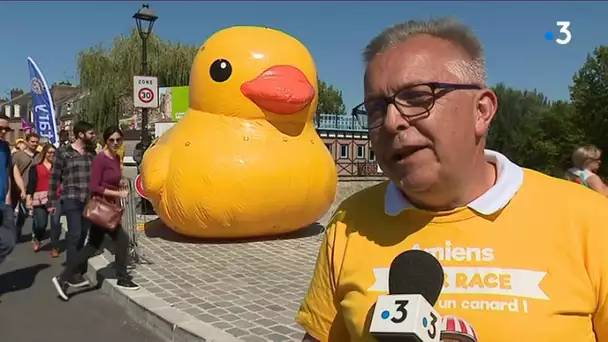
(40, 198)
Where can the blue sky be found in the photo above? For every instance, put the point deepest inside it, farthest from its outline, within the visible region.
(335, 32)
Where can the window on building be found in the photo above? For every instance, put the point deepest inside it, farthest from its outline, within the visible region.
(344, 151)
(360, 151)
(329, 147)
(372, 155)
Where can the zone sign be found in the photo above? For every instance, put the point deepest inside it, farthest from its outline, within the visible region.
(145, 92)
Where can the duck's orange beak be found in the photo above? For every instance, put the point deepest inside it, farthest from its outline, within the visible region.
(281, 89)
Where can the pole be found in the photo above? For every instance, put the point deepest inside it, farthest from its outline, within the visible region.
(145, 139)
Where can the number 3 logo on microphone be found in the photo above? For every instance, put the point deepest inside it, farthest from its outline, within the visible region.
(432, 325)
(401, 315)
(401, 304)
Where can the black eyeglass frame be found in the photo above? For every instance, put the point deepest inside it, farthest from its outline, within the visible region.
(435, 86)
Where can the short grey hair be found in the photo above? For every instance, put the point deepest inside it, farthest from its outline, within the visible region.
(472, 70)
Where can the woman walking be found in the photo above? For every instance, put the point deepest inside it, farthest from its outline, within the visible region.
(37, 200)
(105, 182)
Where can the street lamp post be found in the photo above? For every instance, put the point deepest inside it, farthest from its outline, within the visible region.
(144, 18)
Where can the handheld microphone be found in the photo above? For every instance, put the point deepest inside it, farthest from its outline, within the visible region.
(456, 329)
(407, 313)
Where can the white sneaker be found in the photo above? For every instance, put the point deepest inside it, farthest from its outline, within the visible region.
(61, 287)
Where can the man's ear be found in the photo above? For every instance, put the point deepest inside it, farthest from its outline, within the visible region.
(487, 105)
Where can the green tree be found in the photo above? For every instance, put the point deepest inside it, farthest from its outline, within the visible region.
(106, 74)
(533, 132)
(516, 127)
(589, 94)
(558, 136)
(330, 100)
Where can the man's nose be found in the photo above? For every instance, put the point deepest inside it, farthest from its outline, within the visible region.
(394, 121)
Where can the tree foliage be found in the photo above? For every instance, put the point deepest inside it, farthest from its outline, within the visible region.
(515, 125)
(534, 132)
(589, 94)
(106, 74)
(330, 100)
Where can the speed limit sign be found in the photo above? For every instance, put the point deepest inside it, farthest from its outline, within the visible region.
(145, 92)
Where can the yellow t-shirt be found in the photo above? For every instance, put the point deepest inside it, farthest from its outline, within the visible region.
(534, 268)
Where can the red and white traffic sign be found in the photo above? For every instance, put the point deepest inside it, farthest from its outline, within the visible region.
(139, 187)
(145, 95)
(145, 92)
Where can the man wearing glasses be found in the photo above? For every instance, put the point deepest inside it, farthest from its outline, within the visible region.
(7, 220)
(523, 253)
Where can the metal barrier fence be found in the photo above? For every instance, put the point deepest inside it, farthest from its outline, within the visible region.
(129, 221)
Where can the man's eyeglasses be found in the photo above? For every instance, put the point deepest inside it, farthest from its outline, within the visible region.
(411, 101)
(6, 129)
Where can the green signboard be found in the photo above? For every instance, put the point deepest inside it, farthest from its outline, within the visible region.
(179, 102)
(174, 102)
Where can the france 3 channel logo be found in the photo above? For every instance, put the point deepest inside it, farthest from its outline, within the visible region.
(563, 37)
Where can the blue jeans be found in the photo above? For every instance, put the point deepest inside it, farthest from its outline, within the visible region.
(78, 228)
(8, 236)
(41, 219)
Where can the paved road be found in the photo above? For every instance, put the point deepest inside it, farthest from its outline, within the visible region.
(30, 310)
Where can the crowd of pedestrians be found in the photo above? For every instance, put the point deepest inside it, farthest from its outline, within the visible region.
(44, 182)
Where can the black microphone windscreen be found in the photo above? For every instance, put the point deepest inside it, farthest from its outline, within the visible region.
(416, 272)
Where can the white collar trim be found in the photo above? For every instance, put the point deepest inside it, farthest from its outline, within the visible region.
(509, 179)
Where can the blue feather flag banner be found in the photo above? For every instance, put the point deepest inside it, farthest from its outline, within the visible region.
(43, 109)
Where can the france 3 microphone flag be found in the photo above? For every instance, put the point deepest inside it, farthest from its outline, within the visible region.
(43, 108)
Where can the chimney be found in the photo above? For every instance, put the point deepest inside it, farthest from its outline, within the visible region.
(16, 93)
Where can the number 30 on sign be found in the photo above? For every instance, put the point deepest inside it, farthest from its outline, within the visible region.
(145, 92)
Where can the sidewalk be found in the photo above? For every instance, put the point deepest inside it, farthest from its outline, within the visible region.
(232, 291)
(30, 310)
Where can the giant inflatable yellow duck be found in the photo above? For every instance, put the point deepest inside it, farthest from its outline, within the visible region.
(245, 161)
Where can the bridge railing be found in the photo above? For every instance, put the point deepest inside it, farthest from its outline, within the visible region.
(338, 122)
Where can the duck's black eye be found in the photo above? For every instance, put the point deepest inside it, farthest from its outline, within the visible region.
(220, 70)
